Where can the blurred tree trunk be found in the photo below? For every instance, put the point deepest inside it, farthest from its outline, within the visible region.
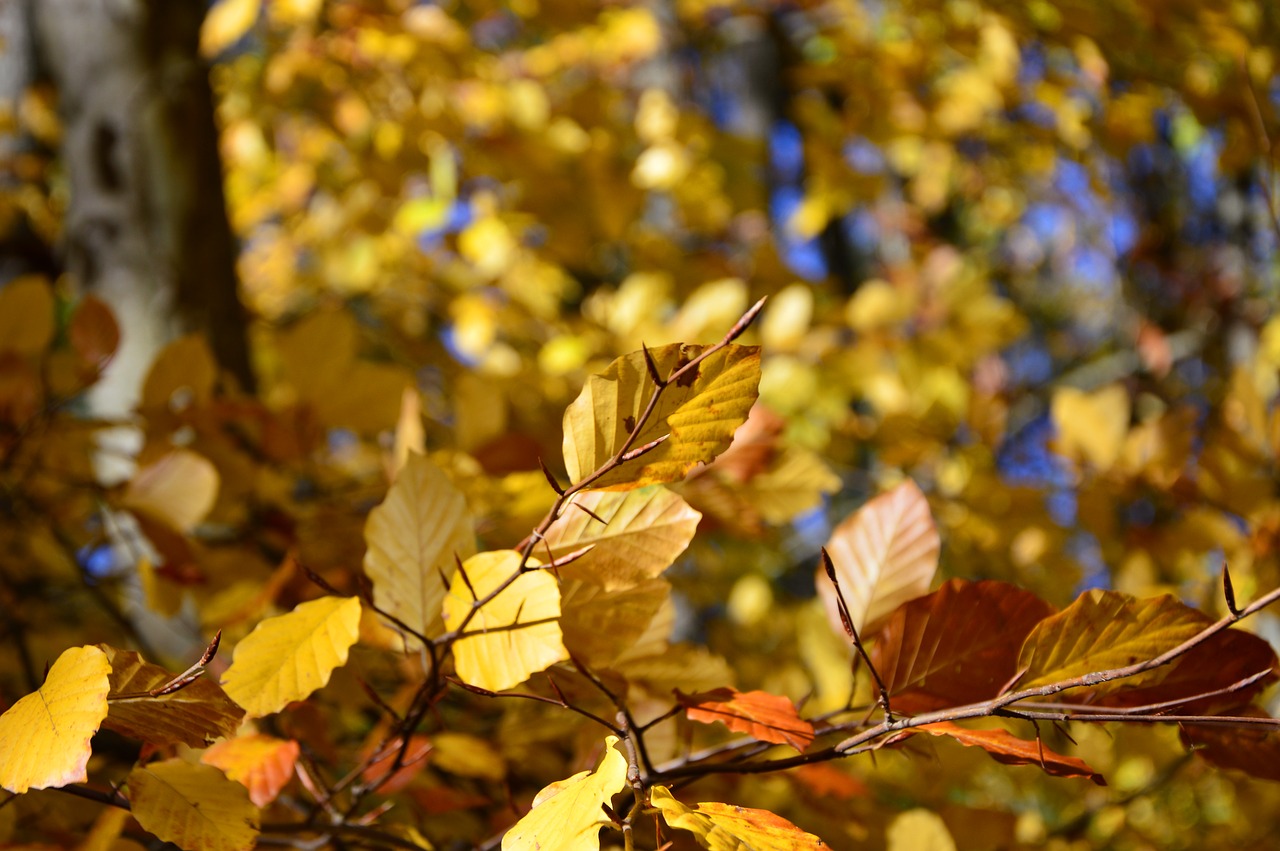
(147, 227)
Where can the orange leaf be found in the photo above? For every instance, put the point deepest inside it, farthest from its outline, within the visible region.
(768, 717)
(724, 827)
(1009, 749)
(94, 334)
(262, 764)
(958, 645)
(415, 759)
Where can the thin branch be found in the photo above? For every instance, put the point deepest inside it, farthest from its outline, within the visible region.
(852, 631)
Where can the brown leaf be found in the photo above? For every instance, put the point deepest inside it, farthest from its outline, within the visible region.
(1009, 749)
(768, 717)
(957, 645)
(1253, 750)
(194, 715)
(94, 334)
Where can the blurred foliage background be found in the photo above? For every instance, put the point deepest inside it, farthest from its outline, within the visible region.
(1024, 253)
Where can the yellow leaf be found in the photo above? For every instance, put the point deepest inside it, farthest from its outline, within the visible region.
(1102, 630)
(793, 484)
(413, 538)
(410, 434)
(262, 764)
(288, 657)
(226, 23)
(919, 830)
(724, 827)
(194, 715)
(179, 489)
(1091, 426)
(464, 755)
(26, 316)
(183, 375)
(600, 625)
(106, 830)
(567, 815)
(644, 531)
(495, 655)
(884, 554)
(193, 806)
(697, 414)
(44, 737)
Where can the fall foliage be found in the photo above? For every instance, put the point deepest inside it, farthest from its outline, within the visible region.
(711, 424)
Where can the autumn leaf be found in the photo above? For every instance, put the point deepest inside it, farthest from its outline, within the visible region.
(383, 760)
(643, 532)
(1255, 750)
(193, 806)
(26, 316)
(1007, 748)
(918, 830)
(1103, 630)
(599, 625)
(183, 375)
(194, 715)
(884, 554)
(724, 827)
(179, 489)
(414, 538)
(1091, 426)
(567, 815)
(696, 414)
(957, 645)
(94, 334)
(288, 657)
(45, 736)
(767, 717)
(262, 764)
(513, 635)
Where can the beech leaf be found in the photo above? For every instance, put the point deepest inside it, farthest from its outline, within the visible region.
(1253, 750)
(194, 715)
(884, 554)
(767, 717)
(955, 646)
(179, 489)
(45, 736)
(94, 334)
(698, 413)
(1007, 748)
(599, 626)
(1103, 630)
(724, 827)
(288, 657)
(568, 815)
(645, 530)
(498, 656)
(262, 764)
(193, 806)
(26, 315)
(413, 536)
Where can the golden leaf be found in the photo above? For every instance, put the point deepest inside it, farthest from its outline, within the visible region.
(288, 657)
(724, 827)
(567, 815)
(193, 806)
(26, 316)
(179, 489)
(45, 736)
(1091, 426)
(497, 654)
(226, 23)
(918, 830)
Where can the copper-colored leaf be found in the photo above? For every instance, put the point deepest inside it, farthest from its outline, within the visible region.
(1253, 750)
(194, 715)
(93, 333)
(957, 645)
(884, 554)
(411, 764)
(1009, 749)
(261, 764)
(768, 717)
(1104, 630)
(179, 489)
(724, 827)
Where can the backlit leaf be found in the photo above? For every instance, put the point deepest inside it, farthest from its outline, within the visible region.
(957, 645)
(918, 830)
(413, 537)
(26, 316)
(178, 489)
(599, 625)
(1091, 426)
(724, 827)
(1253, 750)
(884, 554)
(44, 737)
(1009, 749)
(193, 806)
(567, 815)
(494, 655)
(645, 530)
(288, 657)
(226, 23)
(699, 413)
(768, 717)
(1102, 630)
(194, 715)
(262, 764)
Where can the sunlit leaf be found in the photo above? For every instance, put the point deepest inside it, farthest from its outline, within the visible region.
(1091, 426)
(643, 532)
(567, 815)
(178, 489)
(918, 830)
(698, 414)
(1007, 748)
(26, 316)
(957, 645)
(465, 755)
(513, 635)
(44, 737)
(768, 717)
(226, 23)
(194, 715)
(884, 554)
(724, 827)
(599, 625)
(1103, 630)
(262, 764)
(413, 539)
(193, 806)
(288, 657)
